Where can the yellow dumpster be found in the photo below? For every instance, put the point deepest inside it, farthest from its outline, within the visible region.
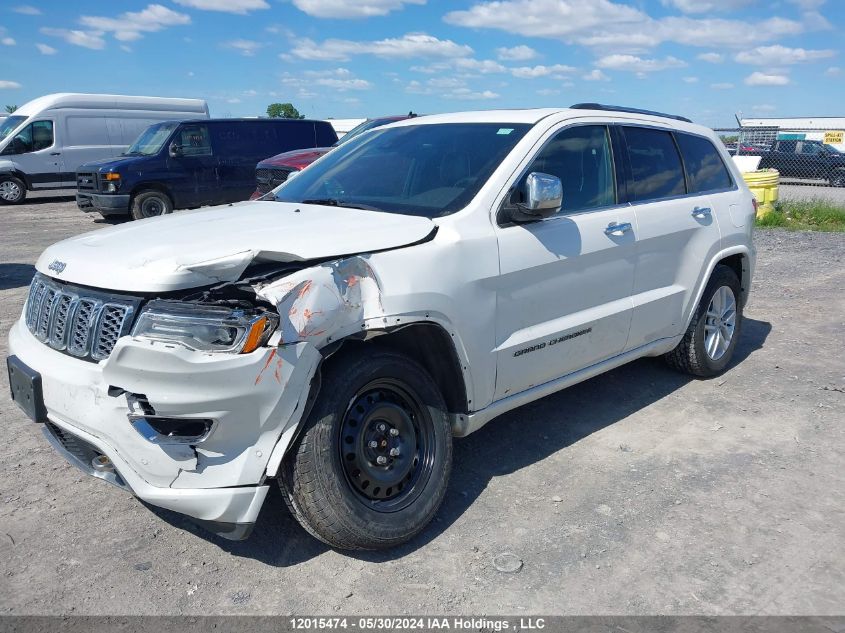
(764, 185)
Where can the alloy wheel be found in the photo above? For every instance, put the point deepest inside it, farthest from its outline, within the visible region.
(720, 323)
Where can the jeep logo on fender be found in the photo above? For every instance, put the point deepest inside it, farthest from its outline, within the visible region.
(57, 266)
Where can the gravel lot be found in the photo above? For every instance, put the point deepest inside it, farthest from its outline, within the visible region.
(637, 492)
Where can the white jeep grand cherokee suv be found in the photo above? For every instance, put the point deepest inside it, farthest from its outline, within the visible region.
(405, 289)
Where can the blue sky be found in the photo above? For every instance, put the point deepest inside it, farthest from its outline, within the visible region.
(334, 58)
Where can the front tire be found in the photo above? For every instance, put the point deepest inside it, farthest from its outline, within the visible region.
(837, 178)
(371, 466)
(710, 340)
(12, 190)
(151, 203)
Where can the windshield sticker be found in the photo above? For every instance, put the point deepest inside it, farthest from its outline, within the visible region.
(505, 130)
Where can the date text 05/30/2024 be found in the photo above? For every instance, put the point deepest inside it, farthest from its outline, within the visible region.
(418, 623)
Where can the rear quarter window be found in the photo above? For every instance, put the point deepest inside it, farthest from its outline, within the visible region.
(705, 169)
(656, 170)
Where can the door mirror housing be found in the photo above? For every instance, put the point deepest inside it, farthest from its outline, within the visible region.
(542, 197)
(175, 150)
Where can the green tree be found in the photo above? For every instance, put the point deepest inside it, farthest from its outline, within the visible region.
(11, 108)
(283, 111)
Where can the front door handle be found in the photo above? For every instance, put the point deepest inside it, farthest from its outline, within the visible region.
(55, 153)
(701, 212)
(615, 227)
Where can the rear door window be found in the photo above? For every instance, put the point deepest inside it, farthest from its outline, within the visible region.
(705, 169)
(656, 169)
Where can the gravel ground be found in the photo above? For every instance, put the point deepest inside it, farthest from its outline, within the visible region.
(637, 492)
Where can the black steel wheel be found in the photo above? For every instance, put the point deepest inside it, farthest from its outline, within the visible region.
(387, 445)
(150, 204)
(371, 466)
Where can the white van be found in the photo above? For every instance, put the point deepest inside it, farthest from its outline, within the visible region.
(44, 141)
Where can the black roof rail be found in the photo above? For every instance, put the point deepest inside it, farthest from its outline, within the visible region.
(613, 108)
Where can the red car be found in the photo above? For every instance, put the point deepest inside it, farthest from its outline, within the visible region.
(272, 172)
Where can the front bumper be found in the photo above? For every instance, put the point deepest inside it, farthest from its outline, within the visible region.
(106, 204)
(256, 400)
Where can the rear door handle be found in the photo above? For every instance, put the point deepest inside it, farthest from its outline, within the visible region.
(615, 227)
(55, 153)
(701, 212)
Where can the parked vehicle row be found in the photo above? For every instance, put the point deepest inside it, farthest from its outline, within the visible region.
(43, 142)
(187, 164)
(407, 288)
(272, 172)
(807, 160)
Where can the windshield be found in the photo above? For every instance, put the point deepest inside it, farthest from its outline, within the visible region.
(152, 139)
(10, 124)
(425, 170)
(363, 127)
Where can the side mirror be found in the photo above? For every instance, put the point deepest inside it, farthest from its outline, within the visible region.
(175, 150)
(542, 198)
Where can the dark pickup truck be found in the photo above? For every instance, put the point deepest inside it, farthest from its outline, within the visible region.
(806, 159)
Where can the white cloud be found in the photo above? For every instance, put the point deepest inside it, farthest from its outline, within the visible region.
(408, 46)
(233, 100)
(9, 85)
(691, 80)
(125, 48)
(347, 9)
(547, 92)
(778, 55)
(46, 50)
(595, 75)
(519, 53)
(763, 79)
(132, 25)
(449, 88)
(711, 58)
(532, 72)
(632, 63)
(25, 9)
(240, 7)
(338, 79)
(247, 48)
(706, 6)
(763, 107)
(808, 5)
(8, 41)
(722, 86)
(86, 39)
(833, 71)
(616, 26)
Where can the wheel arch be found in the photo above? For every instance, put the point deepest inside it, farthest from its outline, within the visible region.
(740, 259)
(429, 344)
(150, 186)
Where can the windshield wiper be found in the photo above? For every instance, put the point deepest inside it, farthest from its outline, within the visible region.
(334, 202)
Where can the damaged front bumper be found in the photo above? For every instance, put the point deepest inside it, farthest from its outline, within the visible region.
(255, 401)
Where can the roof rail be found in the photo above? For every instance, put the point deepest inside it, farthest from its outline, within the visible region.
(613, 108)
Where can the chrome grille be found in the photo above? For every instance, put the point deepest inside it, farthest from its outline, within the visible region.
(86, 181)
(268, 179)
(80, 322)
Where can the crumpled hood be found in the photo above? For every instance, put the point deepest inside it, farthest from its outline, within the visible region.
(195, 248)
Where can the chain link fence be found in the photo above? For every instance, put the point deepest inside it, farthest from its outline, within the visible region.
(806, 156)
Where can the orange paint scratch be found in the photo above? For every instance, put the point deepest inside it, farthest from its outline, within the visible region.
(266, 365)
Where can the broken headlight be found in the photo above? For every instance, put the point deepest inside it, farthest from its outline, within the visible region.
(205, 328)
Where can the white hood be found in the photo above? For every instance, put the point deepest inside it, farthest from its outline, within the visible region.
(205, 246)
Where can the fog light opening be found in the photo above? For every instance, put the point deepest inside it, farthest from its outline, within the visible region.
(164, 430)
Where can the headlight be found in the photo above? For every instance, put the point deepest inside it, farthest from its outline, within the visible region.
(111, 182)
(205, 328)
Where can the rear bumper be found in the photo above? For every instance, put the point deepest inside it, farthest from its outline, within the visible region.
(111, 204)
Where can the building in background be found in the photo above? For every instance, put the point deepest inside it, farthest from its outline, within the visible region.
(829, 130)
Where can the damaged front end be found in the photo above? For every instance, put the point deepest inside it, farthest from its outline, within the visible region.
(200, 396)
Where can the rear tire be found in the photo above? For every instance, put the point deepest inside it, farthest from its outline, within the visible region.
(710, 340)
(371, 466)
(150, 204)
(12, 190)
